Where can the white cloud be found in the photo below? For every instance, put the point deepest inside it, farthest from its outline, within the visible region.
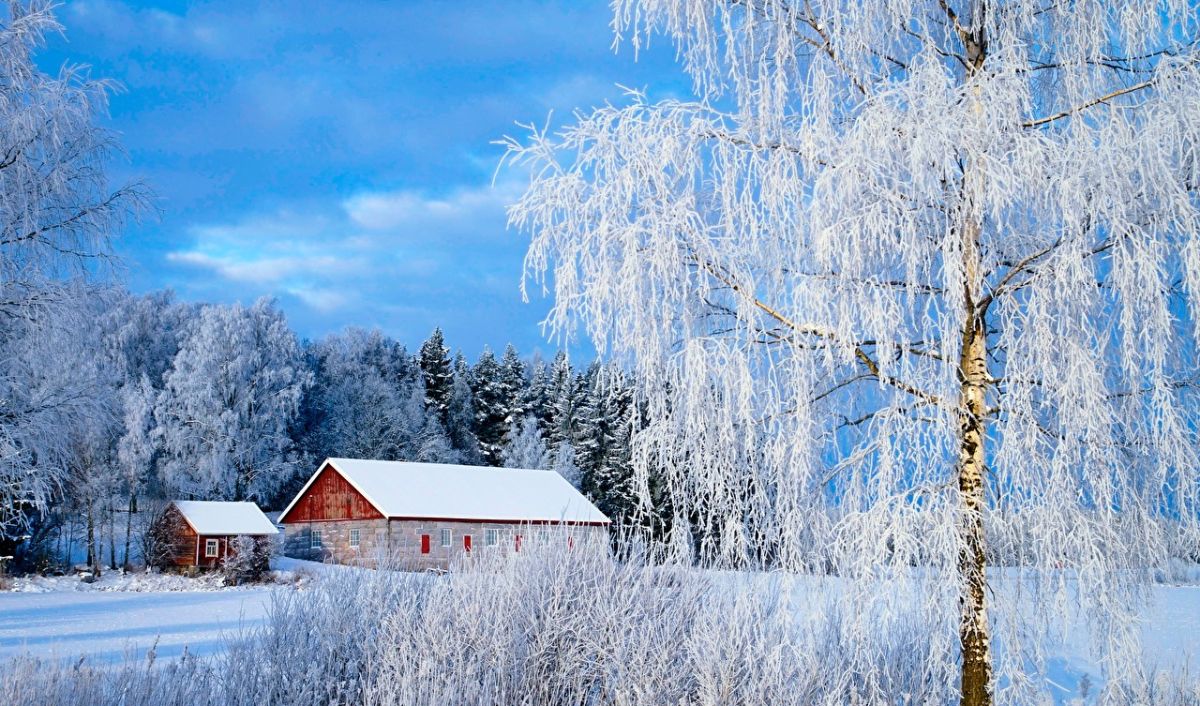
(258, 269)
(322, 300)
(383, 210)
(133, 26)
(373, 244)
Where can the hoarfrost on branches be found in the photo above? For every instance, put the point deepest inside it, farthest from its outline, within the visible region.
(905, 285)
(228, 401)
(526, 449)
(57, 213)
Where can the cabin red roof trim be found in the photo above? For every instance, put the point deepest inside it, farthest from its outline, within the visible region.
(328, 496)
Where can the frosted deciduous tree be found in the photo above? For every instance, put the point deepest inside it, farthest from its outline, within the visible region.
(525, 448)
(135, 447)
(933, 262)
(228, 402)
(57, 213)
(354, 409)
(563, 463)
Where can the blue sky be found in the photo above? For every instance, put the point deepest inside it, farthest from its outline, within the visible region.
(338, 155)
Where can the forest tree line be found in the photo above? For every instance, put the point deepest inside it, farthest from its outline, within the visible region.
(116, 403)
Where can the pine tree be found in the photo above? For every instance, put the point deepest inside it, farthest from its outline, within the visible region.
(434, 359)
(512, 388)
(589, 433)
(614, 474)
(565, 393)
(491, 410)
(536, 400)
(460, 416)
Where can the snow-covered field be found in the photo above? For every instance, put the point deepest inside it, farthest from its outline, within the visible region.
(107, 625)
(121, 616)
(128, 614)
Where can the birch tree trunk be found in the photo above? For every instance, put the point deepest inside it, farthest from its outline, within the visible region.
(129, 526)
(93, 561)
(974, 630)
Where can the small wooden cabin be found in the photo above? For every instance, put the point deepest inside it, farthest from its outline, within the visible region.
(425, 515)
(197, 533)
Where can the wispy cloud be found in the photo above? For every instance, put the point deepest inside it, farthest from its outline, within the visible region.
(385, 210)
(365, 252)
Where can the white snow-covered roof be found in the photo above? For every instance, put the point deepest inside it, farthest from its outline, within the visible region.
(445, 491)
(210, 517)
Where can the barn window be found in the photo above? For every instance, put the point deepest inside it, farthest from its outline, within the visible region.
(355, 538)
(446, 537)
(314, 539)
(491, 537)
(210, 547)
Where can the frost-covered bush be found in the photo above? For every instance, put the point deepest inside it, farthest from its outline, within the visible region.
(249, 558)
(552, 627)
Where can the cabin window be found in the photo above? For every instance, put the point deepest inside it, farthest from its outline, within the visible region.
(210, 547)
(446, 538)
(314, 539)
(355, 538)
(491, 537)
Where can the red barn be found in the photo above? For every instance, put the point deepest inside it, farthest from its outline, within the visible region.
(422, 515)
(201, 533)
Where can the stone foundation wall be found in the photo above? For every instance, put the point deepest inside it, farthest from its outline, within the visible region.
(401, 540)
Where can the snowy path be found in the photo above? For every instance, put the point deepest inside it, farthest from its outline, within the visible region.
(105, 624)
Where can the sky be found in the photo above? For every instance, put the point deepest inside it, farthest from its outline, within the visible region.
(340, 156)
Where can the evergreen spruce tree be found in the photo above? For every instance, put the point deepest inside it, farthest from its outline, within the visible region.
(536, 399)
(565, 392)
(460, 417)
(434, 359)
(589, 434)
(614, 474)
(512, 386)
(491, 409)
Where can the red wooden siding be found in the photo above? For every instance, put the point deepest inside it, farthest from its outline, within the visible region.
(179, 536)
(331, 497)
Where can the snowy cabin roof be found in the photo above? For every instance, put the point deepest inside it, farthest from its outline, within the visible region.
(216, 518)
(445, 491)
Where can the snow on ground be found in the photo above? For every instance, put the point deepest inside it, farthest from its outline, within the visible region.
(63, 617)
(119, 615)
(107, 625)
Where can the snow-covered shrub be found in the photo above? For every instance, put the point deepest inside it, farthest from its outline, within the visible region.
(551, 627)
(249, 558)
(161, 537)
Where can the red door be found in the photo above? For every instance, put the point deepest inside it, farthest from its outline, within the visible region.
(467, 542)
(517, 543)
(424, 544)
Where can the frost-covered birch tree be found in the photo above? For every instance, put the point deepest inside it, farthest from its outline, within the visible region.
(57, 213)
(224, 415)
(934, 263)
(525, 448)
